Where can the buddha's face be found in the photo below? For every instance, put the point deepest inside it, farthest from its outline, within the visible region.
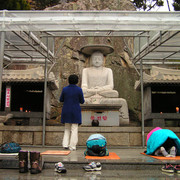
(97, 59)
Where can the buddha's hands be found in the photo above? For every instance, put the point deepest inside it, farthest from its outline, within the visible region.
(84, 90)
(89, 92)
(98, 88)
(92, 91)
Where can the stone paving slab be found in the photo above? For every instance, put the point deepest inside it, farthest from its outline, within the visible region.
(129, 158)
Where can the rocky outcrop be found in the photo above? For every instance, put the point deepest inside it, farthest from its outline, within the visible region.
(70, 60)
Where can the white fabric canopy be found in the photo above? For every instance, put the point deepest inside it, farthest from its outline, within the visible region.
(156, 34)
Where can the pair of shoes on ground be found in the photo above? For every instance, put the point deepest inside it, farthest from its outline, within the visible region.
(170, 169)
(171, 154)
(35, 162)
(93, 166)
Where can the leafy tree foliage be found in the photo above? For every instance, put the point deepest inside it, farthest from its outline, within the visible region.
(14, 5)
(176, 5)
(147, 5)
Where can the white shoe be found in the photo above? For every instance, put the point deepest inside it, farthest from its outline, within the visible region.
(59, 167)
(173, 151)
(93, 166)
(163, 151)
(169, 155)
(72, 149)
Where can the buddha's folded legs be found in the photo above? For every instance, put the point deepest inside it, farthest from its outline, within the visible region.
(89, 94)
(120, 101)
(106, 94)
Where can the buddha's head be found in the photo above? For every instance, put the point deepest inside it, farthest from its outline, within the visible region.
(97, 59)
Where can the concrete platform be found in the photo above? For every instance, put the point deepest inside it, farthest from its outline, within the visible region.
(129, 158)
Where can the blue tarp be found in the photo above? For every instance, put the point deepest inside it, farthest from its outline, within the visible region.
(159, 137)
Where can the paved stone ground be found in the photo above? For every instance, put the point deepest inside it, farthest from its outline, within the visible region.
(50, 174)
(131, 165)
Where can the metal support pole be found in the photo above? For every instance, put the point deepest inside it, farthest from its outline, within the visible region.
(45, 99)
(142, 96)
(1, 60)
(142, 103)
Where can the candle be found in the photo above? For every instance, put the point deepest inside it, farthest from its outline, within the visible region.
(177, 109)
(21, 109)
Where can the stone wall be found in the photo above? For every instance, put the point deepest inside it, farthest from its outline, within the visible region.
(116, 136)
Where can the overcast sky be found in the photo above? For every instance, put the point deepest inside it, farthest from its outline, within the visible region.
(165, 7)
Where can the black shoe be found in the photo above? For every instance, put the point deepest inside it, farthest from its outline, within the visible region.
(168, 168)
(23, 161)
(35, 162)
(65, 148)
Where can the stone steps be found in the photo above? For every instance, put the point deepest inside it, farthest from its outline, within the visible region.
(14, 164)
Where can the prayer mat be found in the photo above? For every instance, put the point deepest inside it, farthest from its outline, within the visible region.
(162, 157)
(112, 156)
(8, 154)
(55, 152)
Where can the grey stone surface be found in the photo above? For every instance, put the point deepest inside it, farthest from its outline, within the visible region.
(116, 136)
(80, 174)
(1, 134)
(117, 139)
(130, 159)
(37, 138)
(135, 139)
(20, 137)
(54, 138)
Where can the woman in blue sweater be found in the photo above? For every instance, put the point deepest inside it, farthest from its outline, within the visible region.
(72, 96)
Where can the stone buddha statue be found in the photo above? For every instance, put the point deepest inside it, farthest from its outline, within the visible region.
(97, 80)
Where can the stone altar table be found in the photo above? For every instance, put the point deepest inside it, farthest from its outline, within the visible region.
(107, 115)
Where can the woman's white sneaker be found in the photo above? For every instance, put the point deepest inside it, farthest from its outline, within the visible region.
(93, 166)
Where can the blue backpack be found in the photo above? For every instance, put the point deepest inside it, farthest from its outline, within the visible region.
(11, 147)
(96, 146)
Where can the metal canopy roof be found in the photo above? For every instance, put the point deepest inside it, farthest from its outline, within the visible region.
(21, 46)
(157, 37)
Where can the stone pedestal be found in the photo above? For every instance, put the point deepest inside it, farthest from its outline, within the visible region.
(107, 115)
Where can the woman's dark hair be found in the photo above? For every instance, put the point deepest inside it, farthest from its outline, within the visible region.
(73, 79)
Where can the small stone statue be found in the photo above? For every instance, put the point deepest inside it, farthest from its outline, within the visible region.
(3, 119)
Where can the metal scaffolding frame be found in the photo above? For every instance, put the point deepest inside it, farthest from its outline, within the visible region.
(25, 37)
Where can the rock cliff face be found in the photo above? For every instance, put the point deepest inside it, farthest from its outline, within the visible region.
(70, 60)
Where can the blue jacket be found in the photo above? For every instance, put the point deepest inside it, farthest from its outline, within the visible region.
(95, 136)
(159, 137)
(72, 96)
